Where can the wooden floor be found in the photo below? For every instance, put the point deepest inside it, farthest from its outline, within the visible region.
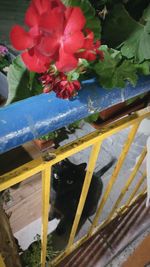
(25, 202)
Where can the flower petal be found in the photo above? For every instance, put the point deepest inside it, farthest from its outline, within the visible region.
(20, 38)
(75, 20)
(48, 46)
(73, 42)
(36, 62)
(89, 40)
(53, 22)
(88, 55)
(31, 16)
(66, 62)
(58, 3)
(41, 5)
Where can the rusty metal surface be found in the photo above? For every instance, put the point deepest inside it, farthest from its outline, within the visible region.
(108, 242)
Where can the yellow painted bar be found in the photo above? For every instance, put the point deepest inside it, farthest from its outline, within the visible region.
(90, 139)
(37, 165)
(2, 264)
(85, 188)
(86, 237)
(136, 189)
(78, 243)
(21, 173)
(124, 208)
(114, 175)
(46, 178)
(129, 181)
(120, 210)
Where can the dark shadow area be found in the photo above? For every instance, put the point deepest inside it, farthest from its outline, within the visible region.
(13, 159)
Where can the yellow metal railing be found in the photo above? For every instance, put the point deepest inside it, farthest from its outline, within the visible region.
(2, 264)
(94, 139)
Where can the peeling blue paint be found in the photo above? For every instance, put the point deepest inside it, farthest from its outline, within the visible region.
(27, 119)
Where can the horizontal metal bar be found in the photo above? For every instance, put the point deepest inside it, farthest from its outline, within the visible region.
(45, 113)
(21, 173)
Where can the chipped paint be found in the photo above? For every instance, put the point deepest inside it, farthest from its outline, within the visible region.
(27, 119)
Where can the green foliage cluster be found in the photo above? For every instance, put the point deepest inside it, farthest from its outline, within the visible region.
(124, 29)
(32, 256)
(3, 63)
(62, 133)
(22, 83)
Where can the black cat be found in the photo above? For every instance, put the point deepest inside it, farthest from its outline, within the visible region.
(67, 182)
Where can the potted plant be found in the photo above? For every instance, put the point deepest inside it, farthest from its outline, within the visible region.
(58, 53)
(54, 139)
(45, 141)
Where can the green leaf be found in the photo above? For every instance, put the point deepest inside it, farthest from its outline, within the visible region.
(138, 44)
(22, 83)
(49, 136)
(144, 68)
(85, 63)
(73, 75)
(115, 71)
(133, 99)
(146, 14)
(18, 80)
(92, 22)
(3, 63)
(74, 125)
(92, 118)
(31, 79)
(132, 37)
(118, 26)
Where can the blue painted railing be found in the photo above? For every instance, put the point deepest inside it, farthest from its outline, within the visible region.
(30, 118)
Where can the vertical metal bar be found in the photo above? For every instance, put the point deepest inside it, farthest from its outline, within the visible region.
(46, 178)
(2, 264)
(92, 161)
(136, 189)
(129, 181)
(115, 173)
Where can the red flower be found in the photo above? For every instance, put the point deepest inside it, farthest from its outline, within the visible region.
(90, 49)
(55, 35)
(65, 89)
(48, 81)
(60, 85)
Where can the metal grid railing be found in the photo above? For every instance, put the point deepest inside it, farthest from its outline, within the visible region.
(95, 139)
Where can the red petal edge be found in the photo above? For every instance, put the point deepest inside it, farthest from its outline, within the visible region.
(20, 38)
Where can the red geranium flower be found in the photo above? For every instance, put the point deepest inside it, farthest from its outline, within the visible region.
(55, 35)
(60, 85)
(66, 89)
(90, 49)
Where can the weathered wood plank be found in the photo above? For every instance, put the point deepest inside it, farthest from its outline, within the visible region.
(25, 204)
